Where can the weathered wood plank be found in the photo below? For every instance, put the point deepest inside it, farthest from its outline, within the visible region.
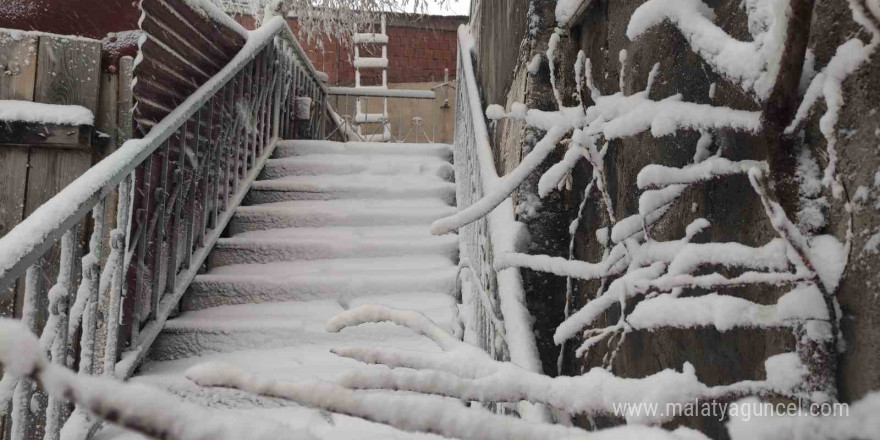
(106, 118)
(45, 135)
(68, 72)
(50, 171)
(13, 177)
(126, 100)
(18, 67)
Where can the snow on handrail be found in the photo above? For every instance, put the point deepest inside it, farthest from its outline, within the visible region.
(386, 93)
(502, 229)
(25, 243)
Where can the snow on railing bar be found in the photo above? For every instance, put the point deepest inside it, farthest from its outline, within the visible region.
(158, 204)
(412, 111)
(493, 294)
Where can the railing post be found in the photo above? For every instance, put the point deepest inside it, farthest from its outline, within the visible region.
(276, 98)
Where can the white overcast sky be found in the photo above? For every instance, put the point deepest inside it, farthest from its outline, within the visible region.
(454, 7)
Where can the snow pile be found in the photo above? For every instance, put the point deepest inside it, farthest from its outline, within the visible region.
(565, 10)
(40, 113)
(20, 351)
(858, 420)
(137, 407)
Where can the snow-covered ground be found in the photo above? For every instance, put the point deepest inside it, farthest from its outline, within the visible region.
(329, 227)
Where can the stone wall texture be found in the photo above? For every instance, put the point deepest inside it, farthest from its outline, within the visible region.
(730, 205)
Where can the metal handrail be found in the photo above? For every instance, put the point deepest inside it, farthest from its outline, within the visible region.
(383, 93)
(498, 295)
(390, 127)
(171, 194)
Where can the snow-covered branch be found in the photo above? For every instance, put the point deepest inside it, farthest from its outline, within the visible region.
(458, 373)
(140, 408)
(754, 65)
(411, 413)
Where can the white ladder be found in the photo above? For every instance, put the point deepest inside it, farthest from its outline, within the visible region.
(361, 117)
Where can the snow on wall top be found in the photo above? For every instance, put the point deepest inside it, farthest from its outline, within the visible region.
(40, 113)
(18, 35)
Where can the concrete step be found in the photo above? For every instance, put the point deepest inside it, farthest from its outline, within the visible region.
(342, 165)
(227, 329)
(332, 242)
(338, 279)
(349, 187)
(346, 212)
(311, 147)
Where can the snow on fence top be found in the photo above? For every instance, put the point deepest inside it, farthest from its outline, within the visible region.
(40, 113)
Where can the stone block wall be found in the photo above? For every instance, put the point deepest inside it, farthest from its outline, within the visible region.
(730, 205)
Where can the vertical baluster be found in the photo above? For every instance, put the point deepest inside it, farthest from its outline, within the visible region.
(161, 196)
(208, 166)
(229, 145)
(278, 110)
(289, 84)
(294, 93)
(240, 140)
(21, 399)
(322, 127)
(289, 93)
(261, 93)
(120, 269)
(271, 101)
(222, 140)
(265, 86)
(179, 192)
(144, 234)
(315, 114)
(196, 177)
(268, 99)
(252, 128)
(59, 296)
(303, 92)
(91, 281)
(316, 108)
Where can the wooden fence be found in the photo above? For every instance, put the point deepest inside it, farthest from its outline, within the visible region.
(37, 160)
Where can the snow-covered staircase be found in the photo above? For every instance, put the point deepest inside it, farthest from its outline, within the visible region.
(327, 226)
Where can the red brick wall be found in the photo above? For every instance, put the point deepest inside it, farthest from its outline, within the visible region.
(417, 52)
(87, 18)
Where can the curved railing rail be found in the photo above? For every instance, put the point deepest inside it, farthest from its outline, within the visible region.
(501, 323)
(105, 262)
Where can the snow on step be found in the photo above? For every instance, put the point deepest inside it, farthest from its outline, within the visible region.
(328, 226)
(361, 186)
(322, 243)
(341, 164)
(311, 147)
(340, 279)
(284, 324)
(311, 213)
